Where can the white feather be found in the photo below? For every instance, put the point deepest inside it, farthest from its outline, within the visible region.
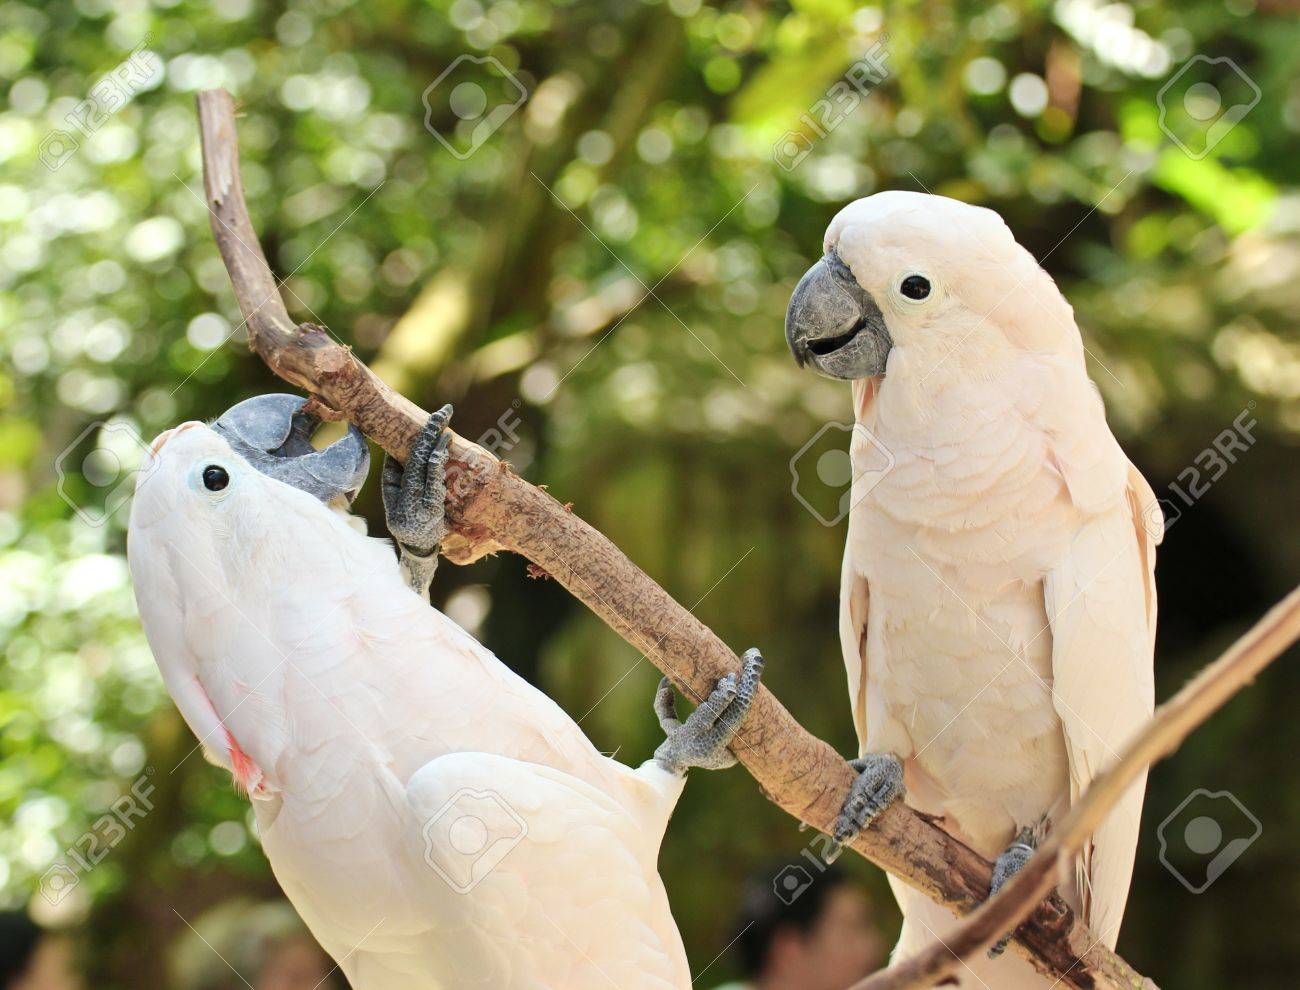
(356, 716)
(997, 602)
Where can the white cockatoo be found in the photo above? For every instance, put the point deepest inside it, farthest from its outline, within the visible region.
(438, 822)
(998, 606)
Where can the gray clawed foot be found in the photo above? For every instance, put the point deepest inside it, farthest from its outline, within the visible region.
(415, 496)
(703, 739)
(1006, 866)
(879, 784)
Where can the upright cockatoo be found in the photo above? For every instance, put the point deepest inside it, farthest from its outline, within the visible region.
(438, 822)
(998, 608)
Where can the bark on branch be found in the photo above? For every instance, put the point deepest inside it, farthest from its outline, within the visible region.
(1198, 700)
(490, 508)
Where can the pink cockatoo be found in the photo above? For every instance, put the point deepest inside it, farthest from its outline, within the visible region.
(998, 607)
(437, 822)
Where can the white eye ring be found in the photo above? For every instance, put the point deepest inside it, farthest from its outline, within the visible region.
(915, 287)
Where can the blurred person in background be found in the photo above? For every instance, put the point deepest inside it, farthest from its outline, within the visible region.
(263, 946)
(797, 931)
(32, 958)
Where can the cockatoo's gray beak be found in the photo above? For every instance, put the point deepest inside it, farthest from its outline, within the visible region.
(834, 326)
(273, 434)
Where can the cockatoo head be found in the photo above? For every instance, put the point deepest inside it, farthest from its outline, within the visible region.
(908, 279)
(226, 514)
(228, 491)
(254, 461)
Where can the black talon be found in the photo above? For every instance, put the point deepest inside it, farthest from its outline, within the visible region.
(415, 496)
(1007, 865)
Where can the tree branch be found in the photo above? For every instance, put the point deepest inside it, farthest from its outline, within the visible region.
(1198, 700)
(490, 508)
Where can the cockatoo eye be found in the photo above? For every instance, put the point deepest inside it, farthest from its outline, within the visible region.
(915, 287)
(215, 478)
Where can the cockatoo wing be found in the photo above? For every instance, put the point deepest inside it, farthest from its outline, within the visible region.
(552, 882)
(854, 599)
(854, 593)
(1100, 603)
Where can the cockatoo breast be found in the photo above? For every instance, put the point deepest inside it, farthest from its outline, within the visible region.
(954, 539)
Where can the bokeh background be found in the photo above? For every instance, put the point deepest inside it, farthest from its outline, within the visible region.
(1147, 153)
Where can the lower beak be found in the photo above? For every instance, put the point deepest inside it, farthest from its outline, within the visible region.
(834, 325)
(273, 434)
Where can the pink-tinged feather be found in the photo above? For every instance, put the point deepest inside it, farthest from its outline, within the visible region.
(248, 777)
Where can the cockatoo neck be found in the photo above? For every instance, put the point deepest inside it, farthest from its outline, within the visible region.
(934, 376)
(227, 575)
(260, 642)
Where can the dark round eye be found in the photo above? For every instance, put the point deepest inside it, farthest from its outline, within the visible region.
(215, 478)
(915, 287)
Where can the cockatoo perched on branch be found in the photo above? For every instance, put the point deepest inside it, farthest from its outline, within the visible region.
(998, 607)
(438, 822)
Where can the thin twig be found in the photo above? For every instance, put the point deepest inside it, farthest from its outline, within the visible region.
(1198, 700)
(490, 509)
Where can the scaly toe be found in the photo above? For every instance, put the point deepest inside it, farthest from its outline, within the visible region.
(704, 739)
(878, 785)
(1007, 865)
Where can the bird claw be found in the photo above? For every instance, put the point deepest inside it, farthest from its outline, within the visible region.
(878, 785)
(703, 739)
(415, 496)
(1007, 865)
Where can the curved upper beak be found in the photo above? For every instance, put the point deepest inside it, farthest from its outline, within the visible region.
(273, 434)
(834, 325)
